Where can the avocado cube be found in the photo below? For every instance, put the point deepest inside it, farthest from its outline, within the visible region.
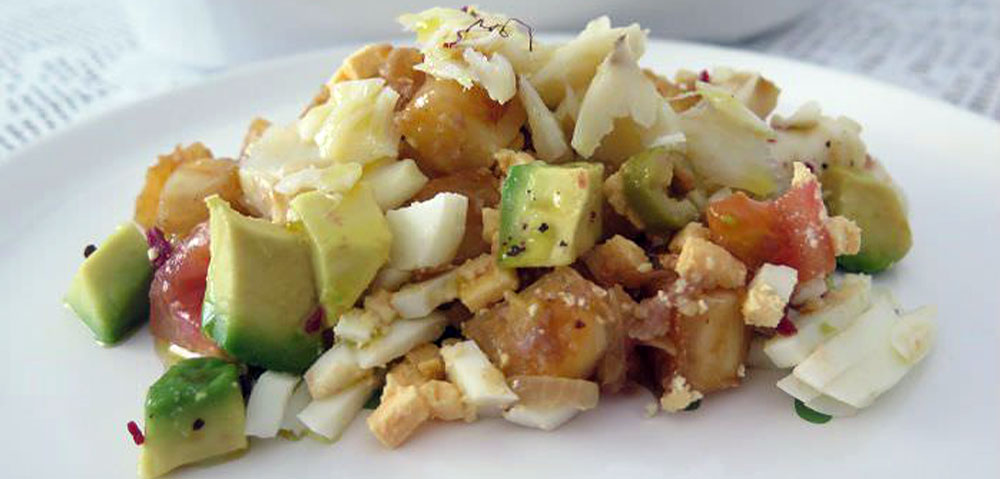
(877, 208)
(549, 214)
(349, 241)
(110, 292)
(260, 293)
(193, 412)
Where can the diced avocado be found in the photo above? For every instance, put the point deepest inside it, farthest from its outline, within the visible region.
(549, 214)
(350, 241)
(110, 291)
(193, 412)
(877, 208)
(647, 179)
(260, 291)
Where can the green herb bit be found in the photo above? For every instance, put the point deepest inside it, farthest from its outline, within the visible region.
(807, 413)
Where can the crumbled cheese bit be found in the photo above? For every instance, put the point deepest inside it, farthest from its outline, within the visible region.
(741, 372)
(709, 265)
(445, 401)
(691, 230)
(652, 408)
(398, 416)
(402, 374)
(801, 174)
(846, 235)
(768, 295)
(690, 307)
(481, 282)
(427, 360)
(679, 396)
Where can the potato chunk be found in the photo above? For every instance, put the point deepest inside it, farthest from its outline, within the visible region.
(555, 327)
(710, 347)
(450, 128)
(173, 197)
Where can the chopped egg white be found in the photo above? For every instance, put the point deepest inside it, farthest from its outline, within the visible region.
(395, 182)
(399, 338)
(544, 418)
(330, 416)
(267, 403)
(483, 385)
(336, 369)
(427, 233)
(419, 299)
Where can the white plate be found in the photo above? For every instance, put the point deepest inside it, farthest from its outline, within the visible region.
(65, 401)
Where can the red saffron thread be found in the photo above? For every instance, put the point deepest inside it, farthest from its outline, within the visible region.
(136, 433)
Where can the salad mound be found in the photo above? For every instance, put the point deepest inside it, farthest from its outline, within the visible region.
(486, 226)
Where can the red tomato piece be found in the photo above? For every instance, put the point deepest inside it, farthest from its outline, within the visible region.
(786, 231)
(177, 292)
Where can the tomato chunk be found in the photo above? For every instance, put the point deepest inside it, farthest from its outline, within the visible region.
(177, 292)
(787, 231)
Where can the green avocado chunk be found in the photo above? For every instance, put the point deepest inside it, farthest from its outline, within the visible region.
(549, 214)
(647, 178)
(350, 240)
(260, 293)
(110, 292)
(193, 412)
(877, 209)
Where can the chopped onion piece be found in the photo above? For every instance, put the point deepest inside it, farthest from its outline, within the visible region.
(839, 309)
(546, 133)
(555, 392)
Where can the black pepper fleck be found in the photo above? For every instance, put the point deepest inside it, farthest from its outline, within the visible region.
(563, 243)
(515, 250)
(89, 250)
(543, 227)
(580, 324)
(593, 216)
(827, 143)
(198, 424)
(524, 226)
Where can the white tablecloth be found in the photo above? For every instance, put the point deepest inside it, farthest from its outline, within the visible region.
(63, 60)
